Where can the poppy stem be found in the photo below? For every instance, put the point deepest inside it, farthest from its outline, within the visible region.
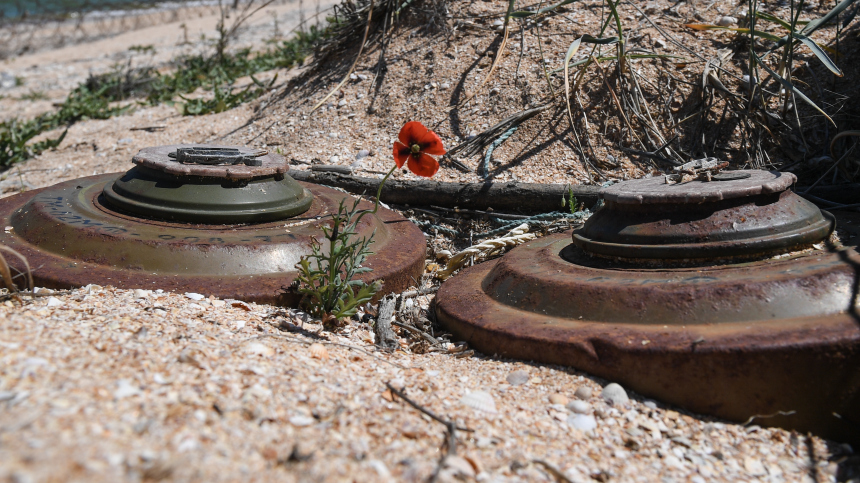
(379, 190)
(378, 194)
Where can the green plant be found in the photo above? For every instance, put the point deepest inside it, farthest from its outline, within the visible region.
(34, 96)
(142, 49)
(326, 276)
(224, 98)
(94, 98)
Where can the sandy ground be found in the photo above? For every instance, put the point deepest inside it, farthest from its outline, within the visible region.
(100, 384)
(52, 73)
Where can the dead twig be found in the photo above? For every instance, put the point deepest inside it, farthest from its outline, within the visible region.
(419, 332)
(384, 336)
(451, 428)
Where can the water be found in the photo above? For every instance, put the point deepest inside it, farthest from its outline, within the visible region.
(45, 8)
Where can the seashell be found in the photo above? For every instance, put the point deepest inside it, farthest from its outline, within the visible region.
(318, 351)
(582, 422)
(517, 378)
(583, 392)
(480, 400)
(615, 394)
(579, 407)
(558, 399)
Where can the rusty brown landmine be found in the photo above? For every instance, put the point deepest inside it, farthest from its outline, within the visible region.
(733, 370)
(746, 226)
(399, 260)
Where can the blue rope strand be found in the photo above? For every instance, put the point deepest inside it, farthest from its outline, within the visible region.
(484, 167)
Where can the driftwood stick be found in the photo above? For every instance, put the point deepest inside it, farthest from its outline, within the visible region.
(385, 337)
(513, 197)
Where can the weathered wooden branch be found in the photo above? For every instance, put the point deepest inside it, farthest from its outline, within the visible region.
(510, 197)
(385, 337)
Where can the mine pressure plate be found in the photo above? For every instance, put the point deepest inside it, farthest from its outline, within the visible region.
(217, 220)
(726, 298)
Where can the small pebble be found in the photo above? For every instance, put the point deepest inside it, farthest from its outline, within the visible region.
(582, 422)
(650, 405)
(302, 421)
(583, 392)
(341, 103)
(558, 399)
(615, 394)
(257, 348)
(579, 407)
(333, 160)
(362, 154)
(445, 85)
(517, 378)
(726, 21)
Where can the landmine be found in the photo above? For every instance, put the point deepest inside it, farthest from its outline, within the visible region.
(727, 298)
(217, 220)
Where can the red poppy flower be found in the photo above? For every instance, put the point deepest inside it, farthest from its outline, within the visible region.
(415, 143)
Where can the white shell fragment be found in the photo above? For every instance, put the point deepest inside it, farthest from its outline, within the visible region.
(302, 421)
(582, 422)
(579, 407)
(257, 348)
(517, 378)
(125, 389)
(194, 296)
(480, 400)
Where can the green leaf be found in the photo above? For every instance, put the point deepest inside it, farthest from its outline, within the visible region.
(816, 24)
(819, 52)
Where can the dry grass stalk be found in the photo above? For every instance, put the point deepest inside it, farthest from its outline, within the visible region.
(6, 273)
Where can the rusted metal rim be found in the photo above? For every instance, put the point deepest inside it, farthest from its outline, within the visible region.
(765, 245)
(158, 158)
(700, 339)
(72, 239)
(654, 190)
(150, 193)
(647, 219)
